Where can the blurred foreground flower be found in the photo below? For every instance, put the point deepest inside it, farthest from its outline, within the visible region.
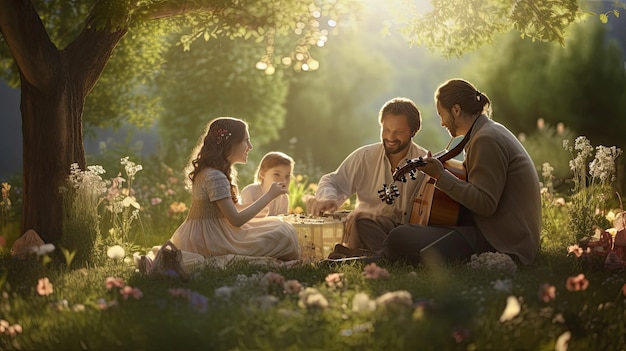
(547, 292)
(224, 292)
(8, 329)
(562, 341)
(116, 252)
(44, 287)
(372, 271)
(511, 310)
(334, 280)
(401, 298)
(312, 298)
(577, 283)
(493, 262)
(361, 303)
(129, 291)
(112, 282)
(42, 249)
(292, 286)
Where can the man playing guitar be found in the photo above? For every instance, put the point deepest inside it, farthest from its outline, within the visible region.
(500, 200)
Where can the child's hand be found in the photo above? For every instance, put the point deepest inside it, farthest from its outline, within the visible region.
(277, 189)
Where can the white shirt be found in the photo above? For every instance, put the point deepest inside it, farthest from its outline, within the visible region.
(278, 206)
(363, 173)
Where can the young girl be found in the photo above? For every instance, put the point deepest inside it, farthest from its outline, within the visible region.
(216, 225)
(275, 167)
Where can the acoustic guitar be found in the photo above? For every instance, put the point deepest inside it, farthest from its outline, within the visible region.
(431, 206)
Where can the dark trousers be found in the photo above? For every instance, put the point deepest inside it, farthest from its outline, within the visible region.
(434, 244)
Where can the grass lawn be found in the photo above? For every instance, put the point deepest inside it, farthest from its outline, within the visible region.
(330, 307)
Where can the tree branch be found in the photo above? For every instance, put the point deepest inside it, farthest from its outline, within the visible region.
(26, 37)
(167, 9)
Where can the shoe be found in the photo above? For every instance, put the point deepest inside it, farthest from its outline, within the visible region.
(340, 251)
(145, 264)
(348, 260)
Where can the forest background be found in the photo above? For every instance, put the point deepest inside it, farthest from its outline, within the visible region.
(319, 117)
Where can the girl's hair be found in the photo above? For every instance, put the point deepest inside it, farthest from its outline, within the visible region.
(463, 93)
(273, 159)
(214, 147)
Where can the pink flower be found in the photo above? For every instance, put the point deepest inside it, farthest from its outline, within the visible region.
(129, 291)
(547, 292)
(292, 286)
(44, 287)
(179, 292)
(372, 271)
(459, 334)
(334, 280)
(112, 282)
(273, 278)
(577, 283)
(624, 289)
(155, 201)
(578, 251)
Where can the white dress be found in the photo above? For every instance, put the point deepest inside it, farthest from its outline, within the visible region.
(207, 232)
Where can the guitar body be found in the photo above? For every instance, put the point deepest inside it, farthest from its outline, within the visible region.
(432, 206)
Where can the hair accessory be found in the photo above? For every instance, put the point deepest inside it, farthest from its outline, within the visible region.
(220, 134)
(478, 95)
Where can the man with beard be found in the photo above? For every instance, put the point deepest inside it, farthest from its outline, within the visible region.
(500, 201)
(363, 173)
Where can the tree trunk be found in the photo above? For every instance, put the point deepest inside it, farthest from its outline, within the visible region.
(52, 141)
(54, 84)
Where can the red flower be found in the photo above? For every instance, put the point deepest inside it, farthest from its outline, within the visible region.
(577, 283)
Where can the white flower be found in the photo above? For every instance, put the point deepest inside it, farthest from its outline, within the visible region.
(130, 167)
(361, 303)
(116, 252)
(224, 292)
(603, 165)
(42, 249)
(130, 201)
(312, 298)
(395, 298)
(494, 262)
(504, 285)
(264, 302)
(562, 341)
(511, 310)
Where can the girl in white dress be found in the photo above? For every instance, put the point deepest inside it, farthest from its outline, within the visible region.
(274, 167)
(216, 224)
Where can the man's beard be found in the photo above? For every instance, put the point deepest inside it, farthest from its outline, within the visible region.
(452, 127)
(396, 149)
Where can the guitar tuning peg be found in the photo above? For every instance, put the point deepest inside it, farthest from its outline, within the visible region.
(403, 179)
(412, 174)
(394, 189)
